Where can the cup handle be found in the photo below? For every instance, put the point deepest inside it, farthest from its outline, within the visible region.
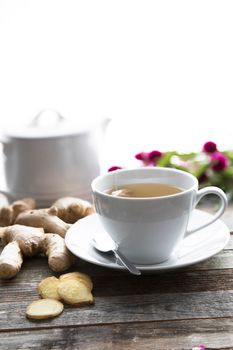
(223, 204)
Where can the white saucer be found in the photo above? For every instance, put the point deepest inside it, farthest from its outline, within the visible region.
(195, 248)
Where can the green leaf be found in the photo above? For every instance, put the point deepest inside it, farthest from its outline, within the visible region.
(187, 156)
(201, 170)
(165, 160)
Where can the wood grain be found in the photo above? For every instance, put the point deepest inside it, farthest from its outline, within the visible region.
(106, 286)
(168, 335)
(132, 308)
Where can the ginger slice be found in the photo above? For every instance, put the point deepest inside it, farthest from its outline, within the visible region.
(47, 288)
(44, 308)
(75, 292)
(82, 277)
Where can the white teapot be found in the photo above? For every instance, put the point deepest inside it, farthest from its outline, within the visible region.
(47, 161)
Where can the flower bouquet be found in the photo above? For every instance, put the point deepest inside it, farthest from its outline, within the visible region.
(211, 166)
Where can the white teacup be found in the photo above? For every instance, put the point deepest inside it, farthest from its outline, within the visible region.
(149, 230)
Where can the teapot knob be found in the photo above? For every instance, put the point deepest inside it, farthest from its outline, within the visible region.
(46, 116)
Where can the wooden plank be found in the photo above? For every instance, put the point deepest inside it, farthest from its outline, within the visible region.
(132, 308)
(222, 260)
(175, 335)
(107, 286)
(112, 283)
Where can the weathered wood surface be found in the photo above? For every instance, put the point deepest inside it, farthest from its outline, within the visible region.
(173, 310)
(168, 335)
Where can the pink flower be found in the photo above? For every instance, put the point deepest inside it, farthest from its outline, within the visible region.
(203, 178)
(144, 156)
(210, 147)
(114, 167)
(219, 161)
(148, 158)
(154, 155)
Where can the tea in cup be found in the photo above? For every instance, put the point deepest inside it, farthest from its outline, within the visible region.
(146, 210)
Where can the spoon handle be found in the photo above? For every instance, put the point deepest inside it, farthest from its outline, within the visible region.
(132, 268)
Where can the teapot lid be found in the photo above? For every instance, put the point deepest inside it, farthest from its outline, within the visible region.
(47, 124)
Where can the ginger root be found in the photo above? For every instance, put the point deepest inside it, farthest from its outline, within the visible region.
(23, 240)
(30, 231)
(20, 240)
(46, 218)
(28, 238)
(59, 257)
(10, 260)
(9, 213)
(71, 209)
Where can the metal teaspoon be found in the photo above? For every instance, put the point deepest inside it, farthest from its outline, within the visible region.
(104, 243)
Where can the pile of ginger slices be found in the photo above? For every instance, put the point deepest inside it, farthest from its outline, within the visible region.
(74, 288)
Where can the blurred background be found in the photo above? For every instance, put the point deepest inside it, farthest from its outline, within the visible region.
(161, 70)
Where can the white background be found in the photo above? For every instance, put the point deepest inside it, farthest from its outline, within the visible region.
(162, 70)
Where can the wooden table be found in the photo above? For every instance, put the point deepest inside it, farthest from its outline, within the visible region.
(173, 310)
